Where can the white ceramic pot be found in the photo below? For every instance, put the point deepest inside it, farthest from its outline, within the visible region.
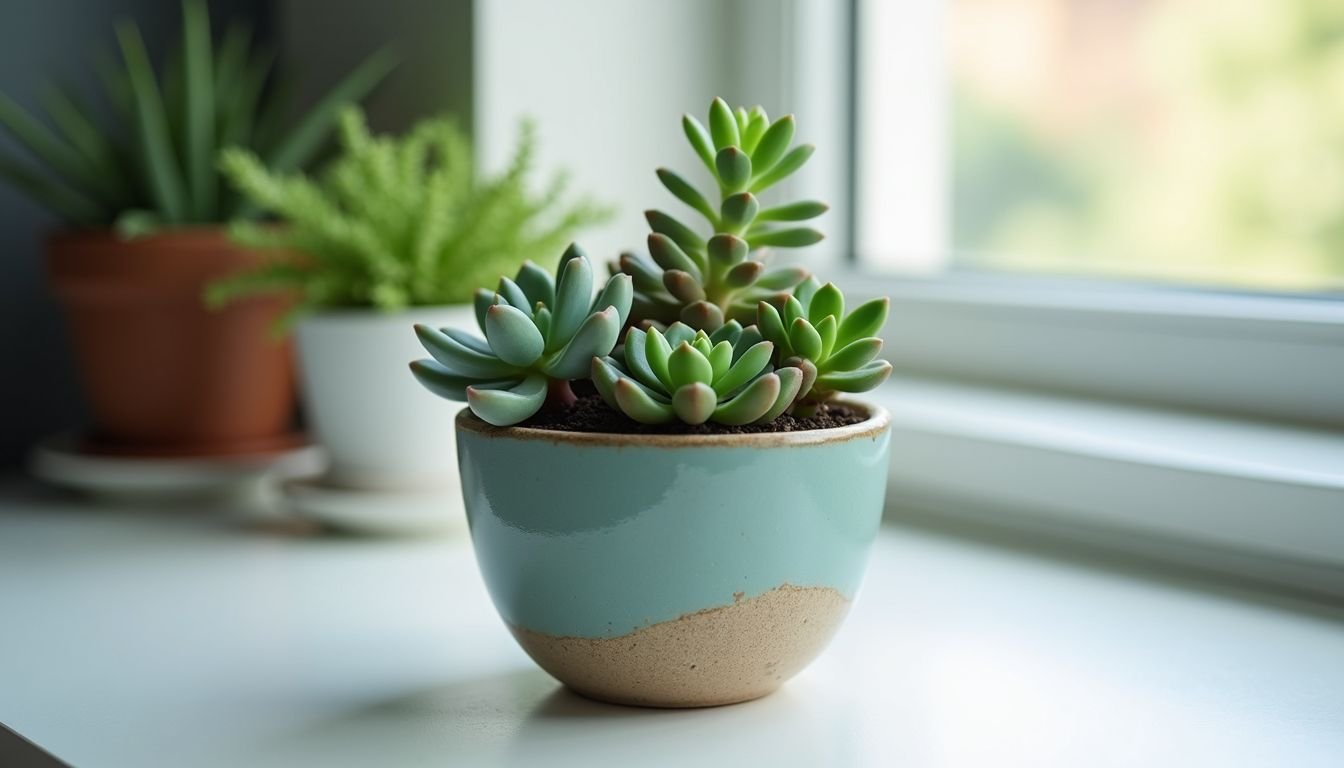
(380, 428)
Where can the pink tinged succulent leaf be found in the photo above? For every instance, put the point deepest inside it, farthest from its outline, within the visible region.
(738, 211)
(748, 366)
(683, 286)
(459, 359)
(605, 376)
(668, 254)
(734, 168)
(790, 388)
(438, 379)
(638, 405)
(595, 338)
(809, 370)
(771, 326)
(751, 404)
(702, 315)
(648, 276)
(682, 235)
(483, 299)
(744, 274)
(694, 403)
(726, 250)
(513, 336)
(505, 407)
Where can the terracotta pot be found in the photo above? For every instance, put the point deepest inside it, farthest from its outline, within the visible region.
(165, 375)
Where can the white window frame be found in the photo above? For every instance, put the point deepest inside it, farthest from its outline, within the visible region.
(1232, 375)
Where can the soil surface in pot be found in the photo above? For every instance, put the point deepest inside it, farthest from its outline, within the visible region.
(590, 414)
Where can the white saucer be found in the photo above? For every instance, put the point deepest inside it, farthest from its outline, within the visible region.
(59, 460)
(376, 512)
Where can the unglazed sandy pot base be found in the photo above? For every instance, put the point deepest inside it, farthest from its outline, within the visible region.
(722, 655)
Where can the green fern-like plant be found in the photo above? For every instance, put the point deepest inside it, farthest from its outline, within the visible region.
(398, 221)
(153, 164)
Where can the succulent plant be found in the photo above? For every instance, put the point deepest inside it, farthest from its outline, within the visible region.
(835, 352)
(153, 164)
(540, 333)
(695, 377)
(704, 282)
(394, 221)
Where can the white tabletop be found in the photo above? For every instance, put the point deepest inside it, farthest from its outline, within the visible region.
(181, 637)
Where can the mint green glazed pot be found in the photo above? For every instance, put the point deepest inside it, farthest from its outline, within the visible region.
(673, 570)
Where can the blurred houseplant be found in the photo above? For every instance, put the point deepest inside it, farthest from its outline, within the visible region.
(693, 533)
(141, 199)
(395, 231)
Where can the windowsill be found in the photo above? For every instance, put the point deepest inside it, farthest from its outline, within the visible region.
(1243, 495)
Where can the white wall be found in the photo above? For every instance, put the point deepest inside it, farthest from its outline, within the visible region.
(608, 81)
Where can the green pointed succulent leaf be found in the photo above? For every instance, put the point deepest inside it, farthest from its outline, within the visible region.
(784, 168)
(773, 144)
(694, 403)
(738, 211)
(536, 283)
(573, 296)
(685, 192)
(513, 336)
(752, 403)
(782, 278)
(657, 350)
(702, 315)
(666, 253)
(505, 407)
(604, 376)
(461, 359)
(682, 235)
(858, 380)
(742, 119)
(514, 296)
(700, 140)
(722, 125)
(542, 319)
(734, 168)
(443, 382)
(790, 386)
(747, 367)
(797, 237)
(646, 273)
(827, 329)
(852, 356)
(804, 339)
(792, 311)
(595, 338)
(757, 122)
(744, 274)
(726, 250)
(683, 286)
(800, 211)
(686, 365)
(827, 300)
(720, 358)
(634, 402)
(866, 320)
(771, 326)
(482, 300)
(730, 332)
(618, 293)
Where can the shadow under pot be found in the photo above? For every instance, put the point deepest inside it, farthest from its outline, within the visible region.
(673, 570)
(163, 374)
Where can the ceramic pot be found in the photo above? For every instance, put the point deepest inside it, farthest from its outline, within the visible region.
(381, 429)
(673, 570)
(163, 374)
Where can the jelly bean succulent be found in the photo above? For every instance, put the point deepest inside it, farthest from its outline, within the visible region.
(540, 333)
(706, 281)
(835, 352)
(696, 377)
(710, 333)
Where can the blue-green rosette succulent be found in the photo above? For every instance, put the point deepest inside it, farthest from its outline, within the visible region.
(540, 333)
(835, 352)
(694, 377)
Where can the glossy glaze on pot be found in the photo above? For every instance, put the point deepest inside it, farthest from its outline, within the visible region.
(688, 541)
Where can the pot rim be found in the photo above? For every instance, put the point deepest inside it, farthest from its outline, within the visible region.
(877, 422)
